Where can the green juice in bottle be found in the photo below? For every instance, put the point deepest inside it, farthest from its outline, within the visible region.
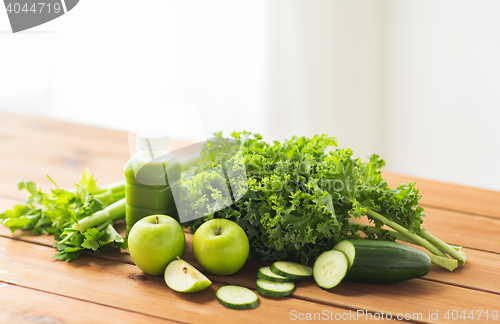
(150, 176)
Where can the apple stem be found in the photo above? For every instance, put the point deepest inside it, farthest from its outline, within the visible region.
(218, 231)
(157, 220)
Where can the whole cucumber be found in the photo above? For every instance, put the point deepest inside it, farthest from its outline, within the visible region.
(383, 261)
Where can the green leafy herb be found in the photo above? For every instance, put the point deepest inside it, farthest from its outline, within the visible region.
(80, 219)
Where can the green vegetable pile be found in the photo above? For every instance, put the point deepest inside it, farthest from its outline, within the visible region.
(297, 199)
(80, 220)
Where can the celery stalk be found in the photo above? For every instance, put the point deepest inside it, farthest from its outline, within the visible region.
(113, 212)
(418, 239)
(447, 263)
(443, 246)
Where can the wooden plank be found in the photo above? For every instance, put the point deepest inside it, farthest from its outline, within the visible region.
(410, 297)
(480, 273)
(450, 196)
(26, 236)
(122, 286)
(406, 297)
(117, 280)
(413, 296)
(466, 230)
(37, 147)
(22, 305)
(57, 148)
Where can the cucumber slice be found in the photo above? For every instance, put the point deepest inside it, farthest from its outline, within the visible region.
(274, 289)
(348, 248)
(330, 268)
(237, 297)
(291, 270)
(266, 274)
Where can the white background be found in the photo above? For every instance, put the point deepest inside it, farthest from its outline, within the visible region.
(417, 82)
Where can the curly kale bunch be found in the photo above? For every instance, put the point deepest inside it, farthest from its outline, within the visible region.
(295, 199)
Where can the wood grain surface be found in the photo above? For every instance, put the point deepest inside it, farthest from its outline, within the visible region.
(108, 287)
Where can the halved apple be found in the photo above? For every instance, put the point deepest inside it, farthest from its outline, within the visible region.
(183, 277)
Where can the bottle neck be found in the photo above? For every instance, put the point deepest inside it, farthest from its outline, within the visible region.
(154, 154)
(153, 150)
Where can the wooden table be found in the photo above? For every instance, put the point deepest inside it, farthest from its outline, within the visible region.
(109, 288)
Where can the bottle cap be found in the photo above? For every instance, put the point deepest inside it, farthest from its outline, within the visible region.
(153, 140)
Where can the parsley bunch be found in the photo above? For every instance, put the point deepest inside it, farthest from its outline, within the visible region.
(297, 197)
(80, 219)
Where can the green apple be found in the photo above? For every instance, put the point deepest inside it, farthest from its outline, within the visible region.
(183, 277)
(155, 241)
(220, 246)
